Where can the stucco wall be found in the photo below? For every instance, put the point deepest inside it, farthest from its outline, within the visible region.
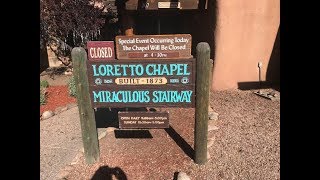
(245, 34)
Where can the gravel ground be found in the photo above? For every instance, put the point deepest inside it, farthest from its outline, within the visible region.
(60, 143)
(58, 146)
(246, 144)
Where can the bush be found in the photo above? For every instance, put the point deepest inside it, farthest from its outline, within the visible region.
(72, 87)
(43, 98)
(44, 84)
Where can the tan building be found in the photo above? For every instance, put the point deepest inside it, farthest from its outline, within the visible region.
(247, 33)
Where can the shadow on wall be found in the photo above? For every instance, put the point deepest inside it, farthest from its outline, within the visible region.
(108, 173)
(273, 71)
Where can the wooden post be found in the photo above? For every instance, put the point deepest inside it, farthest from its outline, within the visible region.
(87, 119)
(202, 102)
(210, 110)
(210, 84)
(210, 76)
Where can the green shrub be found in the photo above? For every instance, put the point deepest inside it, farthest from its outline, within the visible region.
(43, 98)
(72, 87)
(44, 84)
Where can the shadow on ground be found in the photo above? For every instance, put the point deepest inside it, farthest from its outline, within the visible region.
(107, 173)
(175, 175)
(108, 117)
(180, 142)
(133, 134)
(255, 85)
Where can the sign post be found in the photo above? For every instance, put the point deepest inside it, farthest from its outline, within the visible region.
(86, 112)
(202, 102)
(151, 71)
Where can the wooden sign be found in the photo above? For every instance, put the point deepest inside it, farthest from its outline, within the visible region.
(166, 5)
(158, 4)
(100, 50)
(142, 83)
(177, 46)
(167, 93)
(144, 120)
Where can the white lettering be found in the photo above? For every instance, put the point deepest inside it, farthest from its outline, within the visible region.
(103, 52)
(173, 47)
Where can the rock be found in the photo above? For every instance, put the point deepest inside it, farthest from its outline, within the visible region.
(64, 108)
(47, 114)
(68, 73)
(111, 129)
(43, 73)
(183, 176)
(271, 93)
(210, 109)
(213, 116)
(62, 174)
(71, 105)
(76, 159)
(68, 168)
(210, 142)
(58, 110)
(212, 127)
(103, 134)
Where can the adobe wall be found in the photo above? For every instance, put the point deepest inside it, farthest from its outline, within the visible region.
(245, 34)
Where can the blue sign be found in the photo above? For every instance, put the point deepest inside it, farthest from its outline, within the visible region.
(139, 83)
